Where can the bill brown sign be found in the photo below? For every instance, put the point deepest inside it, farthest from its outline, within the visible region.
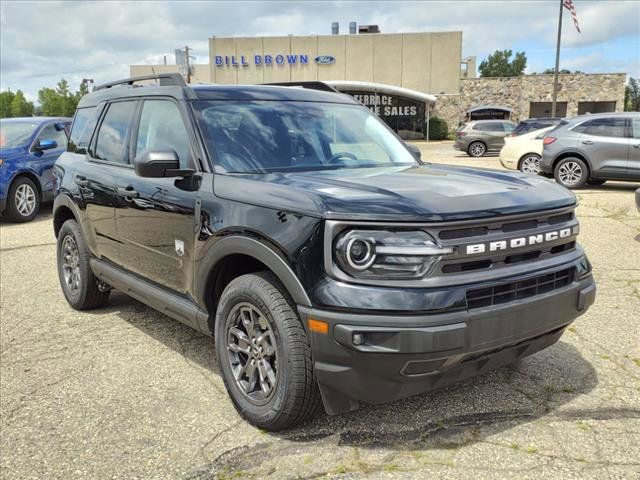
(280, 59)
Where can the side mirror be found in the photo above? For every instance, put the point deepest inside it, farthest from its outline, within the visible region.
(159, 164)
(415, 151)
(41, 145)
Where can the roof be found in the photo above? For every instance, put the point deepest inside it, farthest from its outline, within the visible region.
(381, 88)
(35, 119)
(489, 107)
(215, 92)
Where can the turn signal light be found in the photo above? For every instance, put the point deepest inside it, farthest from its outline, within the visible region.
(548, 140)
(318, 326)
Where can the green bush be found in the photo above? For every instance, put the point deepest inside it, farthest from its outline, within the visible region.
(438, 129)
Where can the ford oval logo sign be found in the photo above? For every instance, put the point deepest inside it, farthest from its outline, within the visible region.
(325, 59)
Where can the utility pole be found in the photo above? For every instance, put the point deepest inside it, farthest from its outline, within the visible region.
(186, 59)
(555, 73)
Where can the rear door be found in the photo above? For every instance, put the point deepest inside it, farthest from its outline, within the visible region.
(107, 155)
(605, 143)
(495, 135)
(634, 149)
(155, 217)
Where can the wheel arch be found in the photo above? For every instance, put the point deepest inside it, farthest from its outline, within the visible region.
(478, 140)
(31, 176)
(522, 157)
(573, 154)
(63, 209)
(233, 256)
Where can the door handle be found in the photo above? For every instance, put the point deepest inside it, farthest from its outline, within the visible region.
(81, 181)
(127, 191)
(587, 142)
(637, 145)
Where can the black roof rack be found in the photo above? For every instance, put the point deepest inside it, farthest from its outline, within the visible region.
(164, 79)
(311, 85)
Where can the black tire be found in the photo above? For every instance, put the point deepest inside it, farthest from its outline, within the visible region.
(293, 396)
(571, 172)
(22, 187)
(596, 181)
(82, 290)
(530, 163)
(476, 149)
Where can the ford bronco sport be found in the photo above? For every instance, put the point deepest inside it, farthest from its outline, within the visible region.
(330, 265)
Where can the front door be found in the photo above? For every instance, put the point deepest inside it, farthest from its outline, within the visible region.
(605, 143)
(41, 161)
(155, 217)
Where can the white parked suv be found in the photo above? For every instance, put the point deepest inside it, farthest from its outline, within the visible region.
(524, 151)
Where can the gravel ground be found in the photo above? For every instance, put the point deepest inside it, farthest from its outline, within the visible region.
(125, 392)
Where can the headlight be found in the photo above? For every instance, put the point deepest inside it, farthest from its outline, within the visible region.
(396, 254)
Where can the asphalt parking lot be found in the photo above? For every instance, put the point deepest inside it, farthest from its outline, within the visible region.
(125, 392)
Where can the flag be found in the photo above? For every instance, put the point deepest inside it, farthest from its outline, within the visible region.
(568, 4)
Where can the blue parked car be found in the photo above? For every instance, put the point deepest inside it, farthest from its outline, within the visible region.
(28, 148)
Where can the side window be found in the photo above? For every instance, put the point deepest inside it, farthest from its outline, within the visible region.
(508, 127)
(635, 127)
(603, 127)
(54, 131)
(482, 127)
(161, 128)
(111, 144)
(83, 124)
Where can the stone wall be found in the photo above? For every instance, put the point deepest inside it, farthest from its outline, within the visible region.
(447, 107)
(518, 92)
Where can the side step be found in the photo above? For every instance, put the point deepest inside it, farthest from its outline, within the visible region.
(162, 300)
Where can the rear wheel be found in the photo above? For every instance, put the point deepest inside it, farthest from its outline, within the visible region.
(571, 172)
(80, 287)
(477, 149)
(23, 201)
(530, 163)
(264, 353)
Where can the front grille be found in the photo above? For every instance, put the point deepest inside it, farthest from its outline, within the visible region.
(508, 292)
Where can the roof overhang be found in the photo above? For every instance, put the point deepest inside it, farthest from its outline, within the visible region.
(381, 88)
(489, 107)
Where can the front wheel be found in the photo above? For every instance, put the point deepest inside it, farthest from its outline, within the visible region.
(23, 201)
(530, 163)
(264, 353)
(571, 172)
(477, 149)
(79, 285)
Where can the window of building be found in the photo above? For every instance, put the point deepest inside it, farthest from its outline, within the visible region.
(111, 145)
(543, 109)
(596, 107)
(603, 127)
(161, 128)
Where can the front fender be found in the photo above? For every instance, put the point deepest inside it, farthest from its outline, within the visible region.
(242, 245)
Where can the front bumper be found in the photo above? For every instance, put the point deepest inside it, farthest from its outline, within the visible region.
(404, 355)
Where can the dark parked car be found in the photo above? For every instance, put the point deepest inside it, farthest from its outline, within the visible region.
(593, 149)
(329, 264)
(482, 136)
(28, 148)
(532, 124)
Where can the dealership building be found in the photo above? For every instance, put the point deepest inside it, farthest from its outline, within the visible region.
(405, 78)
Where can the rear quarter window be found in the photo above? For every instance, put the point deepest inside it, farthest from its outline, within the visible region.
(81, 129)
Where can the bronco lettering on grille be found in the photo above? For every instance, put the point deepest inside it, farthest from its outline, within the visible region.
(519, 242)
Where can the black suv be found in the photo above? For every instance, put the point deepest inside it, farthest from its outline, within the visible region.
(531, 124)
(328, 262)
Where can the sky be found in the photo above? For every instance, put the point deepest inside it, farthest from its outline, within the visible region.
(41, 42)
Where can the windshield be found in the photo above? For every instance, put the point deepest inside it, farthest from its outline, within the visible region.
(15, 134)
(252, 137)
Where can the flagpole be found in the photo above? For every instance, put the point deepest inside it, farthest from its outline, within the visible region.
(555, 73)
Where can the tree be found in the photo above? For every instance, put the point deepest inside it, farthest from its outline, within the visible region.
(632, 95)
(20, 107)
(551, 71)
(6, 98)
(499, 64)
(60, 101)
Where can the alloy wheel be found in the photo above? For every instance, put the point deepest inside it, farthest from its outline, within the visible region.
(25, 199)
(570, 173)
(252, 353)
(71, 263)
(477, 149)
(530, 164)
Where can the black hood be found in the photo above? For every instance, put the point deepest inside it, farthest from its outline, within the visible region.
(421, 193)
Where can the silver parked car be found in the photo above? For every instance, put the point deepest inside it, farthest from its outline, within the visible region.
(593, 149)
(482, 136)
